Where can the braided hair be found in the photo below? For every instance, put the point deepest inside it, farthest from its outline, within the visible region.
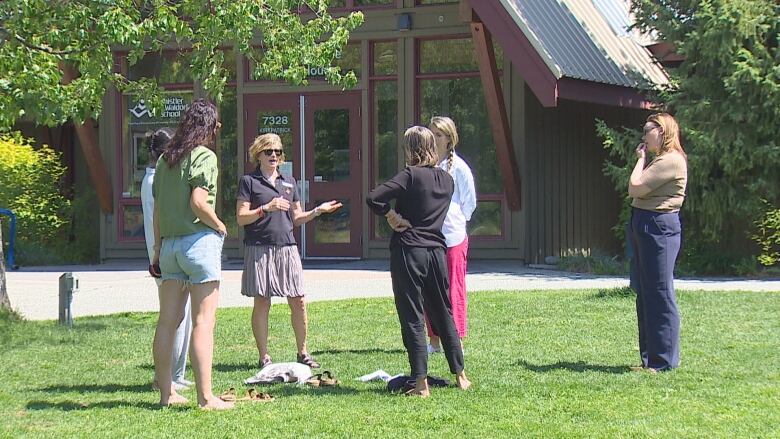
(447, 126)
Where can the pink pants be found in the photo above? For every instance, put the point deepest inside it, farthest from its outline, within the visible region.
(456, 268)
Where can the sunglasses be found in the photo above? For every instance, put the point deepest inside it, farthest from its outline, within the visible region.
(269, 152)
(648, 130)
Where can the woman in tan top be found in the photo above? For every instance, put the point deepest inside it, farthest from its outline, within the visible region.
(658, 191)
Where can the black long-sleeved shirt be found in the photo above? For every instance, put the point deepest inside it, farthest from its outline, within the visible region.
(422, 195)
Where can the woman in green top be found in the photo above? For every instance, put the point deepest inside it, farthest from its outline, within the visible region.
(188, 238)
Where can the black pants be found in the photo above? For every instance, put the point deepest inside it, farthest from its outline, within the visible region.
(420, 283)
(655, 238)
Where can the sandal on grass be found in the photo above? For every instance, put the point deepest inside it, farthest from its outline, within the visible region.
(327, 379)
(324, 379)
(253, 395)
(308, 360)
(228, 395)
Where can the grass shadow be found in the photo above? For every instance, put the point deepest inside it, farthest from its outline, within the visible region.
(615, 293)
(359, 351)
(578, 366)
(98, 388)
(67, 406)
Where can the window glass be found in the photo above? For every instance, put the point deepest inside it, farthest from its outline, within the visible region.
(487, 220)
(385, 154)
(452, 55)
(349, 59)
(462, 100)
(373, 2)
(132, 222)
(138, 120)
(333, 228)
(331, 145)
(385, 58)
(166, 67)
(227, 147)
(435, 2)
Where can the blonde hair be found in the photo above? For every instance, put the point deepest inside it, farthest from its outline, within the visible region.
(263, 142)
(420, 147)
(447, 127)
(671, 132)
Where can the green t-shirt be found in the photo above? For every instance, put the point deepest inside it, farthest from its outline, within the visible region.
(173, 187)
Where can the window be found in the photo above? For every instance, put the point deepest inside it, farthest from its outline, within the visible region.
(448, 84)
(172, 71)
(384, 121)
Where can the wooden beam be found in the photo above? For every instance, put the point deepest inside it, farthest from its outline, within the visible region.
(465, 12)
(494, 99)
(88, 138)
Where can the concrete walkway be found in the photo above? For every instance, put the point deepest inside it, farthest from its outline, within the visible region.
(122, 286)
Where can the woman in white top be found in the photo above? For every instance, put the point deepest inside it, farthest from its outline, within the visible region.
(462, 205)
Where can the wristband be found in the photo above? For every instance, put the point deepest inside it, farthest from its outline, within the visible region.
(317, 211)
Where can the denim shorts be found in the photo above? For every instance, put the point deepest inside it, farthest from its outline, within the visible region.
(195, 258)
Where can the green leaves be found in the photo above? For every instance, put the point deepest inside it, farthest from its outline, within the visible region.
(38, 38)
(726, 98)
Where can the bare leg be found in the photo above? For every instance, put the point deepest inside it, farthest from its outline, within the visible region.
(299, 321)
(260, 311)
(436, 342)
(172, 301)
(205, 298)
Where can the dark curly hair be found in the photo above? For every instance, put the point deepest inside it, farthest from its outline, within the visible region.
(158, 141)
(198, 126)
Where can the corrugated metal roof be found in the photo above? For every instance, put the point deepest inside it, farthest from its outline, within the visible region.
(577, 41)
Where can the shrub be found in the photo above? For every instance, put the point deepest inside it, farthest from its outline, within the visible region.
(596, 262)
(30, 187)
(768, 237)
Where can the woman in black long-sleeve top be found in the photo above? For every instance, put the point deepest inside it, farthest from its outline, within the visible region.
(418, 261)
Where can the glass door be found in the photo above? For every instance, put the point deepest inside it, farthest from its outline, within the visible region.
(327, 167)
(332, 172)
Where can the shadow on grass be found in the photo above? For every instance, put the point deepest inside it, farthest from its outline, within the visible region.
(615, 293)
(98, 388)
(359, 351)
(67, 406)
(219, 367)
(579, 366)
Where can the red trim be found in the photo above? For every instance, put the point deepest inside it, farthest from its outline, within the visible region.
(519, 50)
(606, 94)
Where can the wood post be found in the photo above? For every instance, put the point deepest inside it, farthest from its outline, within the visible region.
(88, 138)
(494, 100)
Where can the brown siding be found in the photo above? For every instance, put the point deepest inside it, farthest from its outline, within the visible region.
(569, 204)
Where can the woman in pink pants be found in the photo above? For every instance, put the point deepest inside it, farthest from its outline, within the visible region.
(462, 205)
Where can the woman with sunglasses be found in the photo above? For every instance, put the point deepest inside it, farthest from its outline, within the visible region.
(658, 192)
(269, 207)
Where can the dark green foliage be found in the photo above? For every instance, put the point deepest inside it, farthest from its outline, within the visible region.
(726, 98)
(768, 237)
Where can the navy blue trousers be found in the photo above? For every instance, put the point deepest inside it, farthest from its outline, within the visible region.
(420, 284)
(655, 238)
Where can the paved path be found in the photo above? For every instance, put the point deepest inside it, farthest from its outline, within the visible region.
(122, 286)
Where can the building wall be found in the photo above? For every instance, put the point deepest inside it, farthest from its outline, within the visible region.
(569, 205)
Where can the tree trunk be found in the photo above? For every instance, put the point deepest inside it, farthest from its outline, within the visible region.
(4, 301)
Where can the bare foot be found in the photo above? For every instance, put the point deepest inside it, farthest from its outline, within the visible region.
(174, 399)
(462, 381)
(420, 389)
(217, 404)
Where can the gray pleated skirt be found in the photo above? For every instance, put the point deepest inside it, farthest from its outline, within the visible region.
(272, 271)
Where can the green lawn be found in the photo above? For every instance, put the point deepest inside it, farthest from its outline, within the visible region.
(543, 363)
